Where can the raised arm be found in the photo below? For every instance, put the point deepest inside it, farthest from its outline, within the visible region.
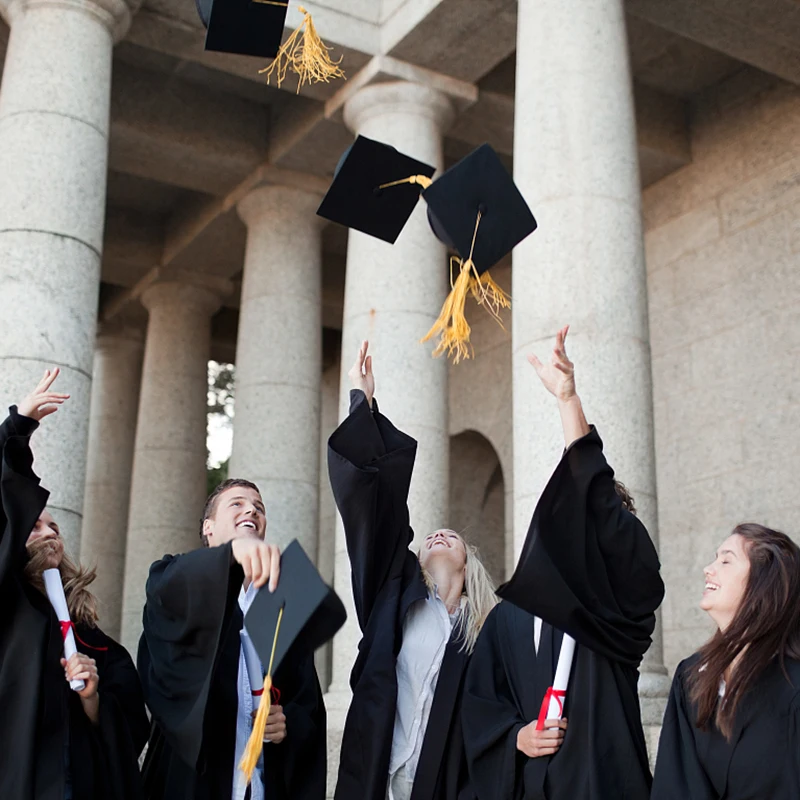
(22, 498)
(558, 377)
(588, 565)
(370, 464)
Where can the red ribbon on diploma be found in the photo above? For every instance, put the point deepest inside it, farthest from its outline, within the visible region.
(275, 694)
(551, 694)
(68, 625)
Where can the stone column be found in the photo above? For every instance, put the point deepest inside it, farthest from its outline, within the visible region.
(112, 431)
(168, 489)
(279, 360)
(327, 507)
(54, 118)
(393, 294)
(575, 161)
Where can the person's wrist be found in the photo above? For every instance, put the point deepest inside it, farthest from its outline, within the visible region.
(567, 399)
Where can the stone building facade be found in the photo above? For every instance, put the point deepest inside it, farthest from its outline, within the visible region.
(157, 209)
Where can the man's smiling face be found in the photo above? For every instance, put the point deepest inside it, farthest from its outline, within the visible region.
(238, 511)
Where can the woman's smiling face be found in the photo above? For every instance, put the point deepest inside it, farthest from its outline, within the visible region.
(445, 544)
(726, 580)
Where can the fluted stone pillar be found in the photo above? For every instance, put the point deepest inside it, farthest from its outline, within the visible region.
(575, 161)
(112, 432)
(393, 294)
(168, 489)
(279, 360)
(54, 119)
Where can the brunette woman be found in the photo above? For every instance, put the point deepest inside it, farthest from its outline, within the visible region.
(420, 615)
(732, 726)
(56, 744)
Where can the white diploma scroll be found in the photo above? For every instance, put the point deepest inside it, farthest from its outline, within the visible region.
(553, 703)
(253, 664)
(55, 593)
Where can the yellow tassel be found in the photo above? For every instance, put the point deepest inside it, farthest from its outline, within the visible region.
(452, 325)
(255, 743)
(420, 180)
(307, 56)
(488, 294)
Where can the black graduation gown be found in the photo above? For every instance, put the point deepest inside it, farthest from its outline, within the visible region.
(588, 567)
(189, 660)
(39, 713)
(370, 464)
(762, 760)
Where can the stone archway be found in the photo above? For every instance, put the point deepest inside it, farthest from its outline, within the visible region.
(477, 498)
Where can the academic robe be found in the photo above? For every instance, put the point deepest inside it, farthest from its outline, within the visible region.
(588, 567)
(189, 660)
(370, 464)
(760, 762)
(40, 715)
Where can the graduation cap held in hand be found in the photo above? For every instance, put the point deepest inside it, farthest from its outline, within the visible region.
(255, 28)
(298, 617)
(474, 208)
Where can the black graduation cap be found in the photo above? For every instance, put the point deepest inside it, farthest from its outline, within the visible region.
(478, 183)
(244, 27)
(312, 611)
(360, 196)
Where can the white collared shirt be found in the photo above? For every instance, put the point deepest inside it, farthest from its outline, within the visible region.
(426, 631)
(244, 719)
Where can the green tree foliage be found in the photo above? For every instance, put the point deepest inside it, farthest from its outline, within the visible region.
(221, 381)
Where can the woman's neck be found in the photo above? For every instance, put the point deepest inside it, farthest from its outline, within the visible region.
(449, 587)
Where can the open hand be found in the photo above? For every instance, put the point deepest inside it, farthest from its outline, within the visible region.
(541, 743)
(260, 561)
(41, 401)
(558, 376)
(360, 373)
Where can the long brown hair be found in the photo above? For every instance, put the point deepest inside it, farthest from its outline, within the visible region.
(82, 604)
(766, 625)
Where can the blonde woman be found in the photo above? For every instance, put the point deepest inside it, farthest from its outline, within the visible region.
(56, 744)
(420, 615)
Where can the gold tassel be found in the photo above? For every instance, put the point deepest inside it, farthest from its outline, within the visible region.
(452, 325)
(420, 180)
(307, 56)
(255, 744)
(488, 294)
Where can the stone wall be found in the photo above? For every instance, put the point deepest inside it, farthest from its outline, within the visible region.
(723, 259)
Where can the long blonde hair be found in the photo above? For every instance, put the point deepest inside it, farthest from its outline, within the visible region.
(478, 596)
(81, 602)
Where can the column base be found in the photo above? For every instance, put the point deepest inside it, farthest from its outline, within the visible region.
(654, 690)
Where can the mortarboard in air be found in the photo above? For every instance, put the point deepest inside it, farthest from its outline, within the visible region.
(475, 209)
(255, 28)
(298, 617)
(372, 189)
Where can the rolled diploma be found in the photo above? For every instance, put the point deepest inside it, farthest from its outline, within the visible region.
(253, 664)
(55, 593)
(561, 679)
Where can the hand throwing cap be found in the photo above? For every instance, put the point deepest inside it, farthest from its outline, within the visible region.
(373, 191)
(312, 611)
(298, 617)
